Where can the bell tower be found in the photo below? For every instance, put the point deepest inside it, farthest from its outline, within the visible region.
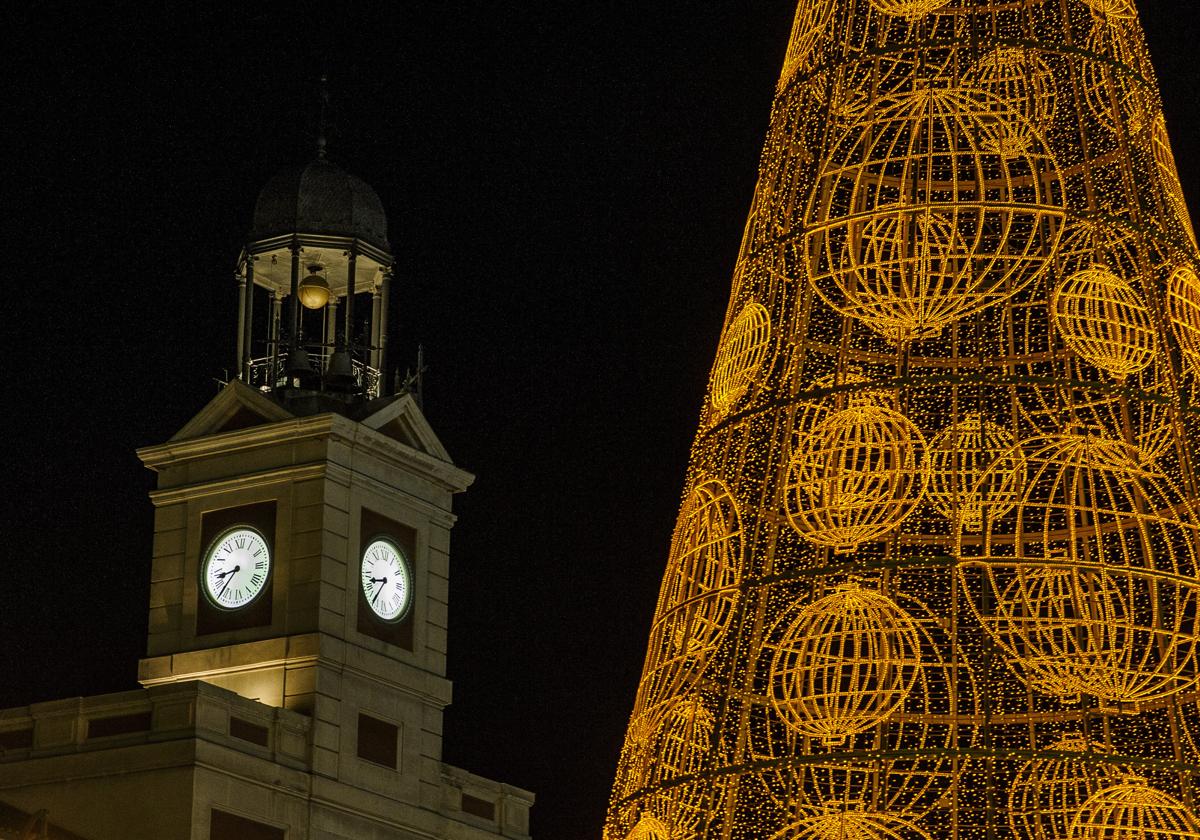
(295, 675)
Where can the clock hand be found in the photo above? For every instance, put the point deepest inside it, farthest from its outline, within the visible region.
(380, 589)
(228, 580)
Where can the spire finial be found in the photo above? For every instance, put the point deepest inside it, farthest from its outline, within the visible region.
(323, 94)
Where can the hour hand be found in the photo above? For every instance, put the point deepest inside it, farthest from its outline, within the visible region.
(380, 589)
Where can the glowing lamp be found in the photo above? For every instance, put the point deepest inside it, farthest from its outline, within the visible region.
(314, 289)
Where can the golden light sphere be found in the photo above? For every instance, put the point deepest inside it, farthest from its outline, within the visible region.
(1102, 318)
(856, 477)
(1134, 811)
(898, 233)
(851, 825)
(1047, 793)
(908, 8)
(1024, 82)
(1117, 9)
(808, 28)
(683, 748)
(844, 664)
(649, 828)
(699, 592)
(1168, 175)
(314, 291)
(963, 454)
(1118, 100)
(1093, 594)
(741, 354)
(1183, 303)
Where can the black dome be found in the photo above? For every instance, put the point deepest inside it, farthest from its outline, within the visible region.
(320, 198)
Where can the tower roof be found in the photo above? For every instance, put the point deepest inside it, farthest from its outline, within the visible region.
(320, 198)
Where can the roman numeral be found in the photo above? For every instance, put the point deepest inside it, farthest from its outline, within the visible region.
(256, 580)
(260, 551)
(260, 564)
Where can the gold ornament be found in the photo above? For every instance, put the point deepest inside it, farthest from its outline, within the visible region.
(892, 238)
(1047, 793)
(1134, 811)
(808, 28)
(1117, 99)
(683, 749)
(844, 664)
(741, 355)
(851, 825)
(649, 828)
(908, 8)
(1117, 9)
(1090, 598)
(699, 592)
(1024, 82)
(1183, 301)
(963, 453)
(1103, 319)
(856, 477)
(902, 767)
(1168, 175)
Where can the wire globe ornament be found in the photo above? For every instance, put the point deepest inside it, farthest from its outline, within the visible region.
(808, 29)
(649, 828)
(912, 225)
(908, 8)
(1087, 586)
(901, 767)
(1132, 811)
(844, 664)
(851, 825)
(699, 593)
(1103, 319)
(1183, 304)
(743, 349)
(1024, 82)
(683, 750)
(959, 457)
(1118, 101)
(1047, 793)
(856, 477)
(1168, 174)
(1115, 9)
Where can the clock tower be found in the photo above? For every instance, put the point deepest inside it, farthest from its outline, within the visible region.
(295, 676)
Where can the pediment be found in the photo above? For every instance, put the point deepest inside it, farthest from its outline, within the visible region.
(402, 421)
(237, 406)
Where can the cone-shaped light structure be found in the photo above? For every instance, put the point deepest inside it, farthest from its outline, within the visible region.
(939, 541)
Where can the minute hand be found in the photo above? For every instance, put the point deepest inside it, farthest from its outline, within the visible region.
(382, 581)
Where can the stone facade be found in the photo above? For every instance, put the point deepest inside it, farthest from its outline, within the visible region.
(312, 722)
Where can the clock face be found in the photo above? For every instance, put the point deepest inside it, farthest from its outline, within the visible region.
(236, 567)
(386, 581)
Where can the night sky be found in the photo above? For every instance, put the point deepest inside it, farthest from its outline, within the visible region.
(566, 185)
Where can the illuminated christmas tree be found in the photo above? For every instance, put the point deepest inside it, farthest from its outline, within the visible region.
(936, 570)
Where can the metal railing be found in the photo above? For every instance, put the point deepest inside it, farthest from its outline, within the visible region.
(270, 372)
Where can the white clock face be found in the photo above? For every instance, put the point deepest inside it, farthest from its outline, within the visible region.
(236, 567)
(386, 581)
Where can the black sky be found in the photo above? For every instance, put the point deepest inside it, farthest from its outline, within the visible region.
(566, 184)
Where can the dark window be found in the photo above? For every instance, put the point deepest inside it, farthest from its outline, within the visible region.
(477, 807)
(118, 725)
(232, 827)
(247, 731)
(17, 739)
(377, 741)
